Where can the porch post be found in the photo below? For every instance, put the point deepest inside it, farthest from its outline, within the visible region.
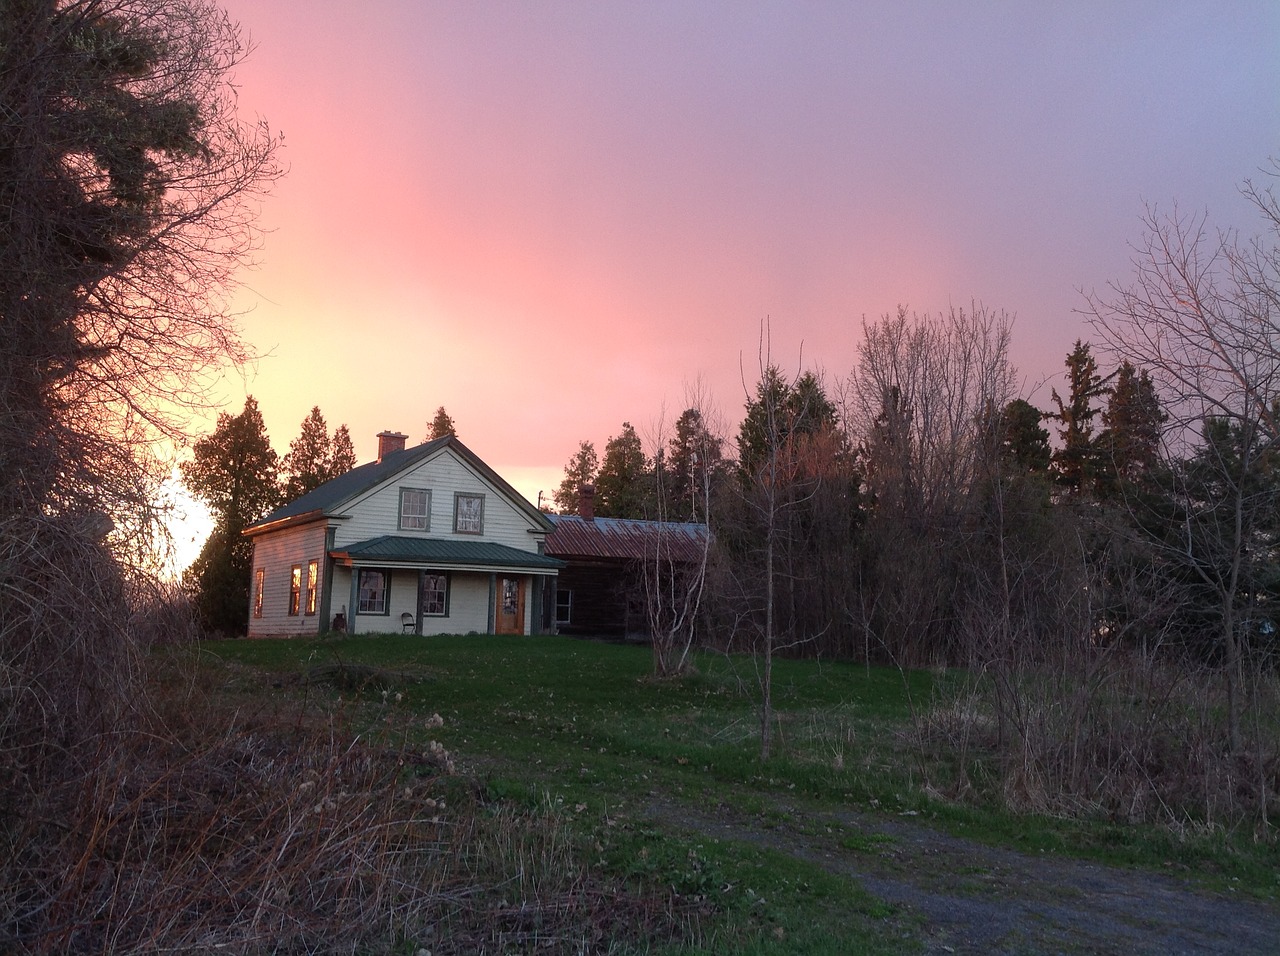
(326, 584)
(355, 599)
(537, 584)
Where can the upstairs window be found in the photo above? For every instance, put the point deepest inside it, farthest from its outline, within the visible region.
(468, 513)
(415, 509)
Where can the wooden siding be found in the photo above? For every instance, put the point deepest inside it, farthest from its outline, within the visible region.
(378, 511)
(276, 554)
(468, 607)
(607, 598)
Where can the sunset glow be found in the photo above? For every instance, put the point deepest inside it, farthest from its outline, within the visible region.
(550, 218)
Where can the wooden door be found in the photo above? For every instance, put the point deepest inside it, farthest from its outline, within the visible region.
(510, 612)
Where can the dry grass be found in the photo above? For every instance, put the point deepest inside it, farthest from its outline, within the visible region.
(1139, 742)
(152, 803)
(284, 832)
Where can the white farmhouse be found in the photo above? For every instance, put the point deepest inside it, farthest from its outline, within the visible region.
(428, 540)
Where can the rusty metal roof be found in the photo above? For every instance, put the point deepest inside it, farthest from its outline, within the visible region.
(625, 538)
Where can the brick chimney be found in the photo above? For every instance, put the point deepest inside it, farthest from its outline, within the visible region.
(389, 442)
(587, 502)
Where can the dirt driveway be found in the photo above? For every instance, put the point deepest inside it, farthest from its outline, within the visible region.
(976, 899)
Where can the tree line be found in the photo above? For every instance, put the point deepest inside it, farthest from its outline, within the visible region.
(918, 512)
(889, 490)
(237, 473)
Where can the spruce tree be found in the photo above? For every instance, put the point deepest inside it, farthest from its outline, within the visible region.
(1133, 421)
(441, 425)
(693, 462)
(1076, 461)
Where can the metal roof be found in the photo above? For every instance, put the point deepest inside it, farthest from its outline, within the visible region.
(626, 538)
(451, 552)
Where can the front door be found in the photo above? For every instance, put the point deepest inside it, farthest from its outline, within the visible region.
(510, 616)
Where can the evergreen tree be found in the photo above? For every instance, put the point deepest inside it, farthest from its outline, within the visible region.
(624, 483)
(441, 425)
(1216, 517)
(314, 458)
(1024, 441)
(342, 457)
(581, 470)
(233, 471)
(306, 466)
(125, 192)
(692, 463)
(1076, 460)
(1133, 421)
(779, 413)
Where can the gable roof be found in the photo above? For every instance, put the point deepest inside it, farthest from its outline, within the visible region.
(336, 492)
(625, 538)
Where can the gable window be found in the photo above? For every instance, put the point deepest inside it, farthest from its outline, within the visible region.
(415, 509)
(373, 592)
(468, 513)
(295, 589)
(258, 580)
(564, 605)
(313, 582)
(435, 594)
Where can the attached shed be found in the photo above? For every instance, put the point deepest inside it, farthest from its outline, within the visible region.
(600, 589)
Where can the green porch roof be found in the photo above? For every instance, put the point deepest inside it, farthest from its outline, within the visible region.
(433, 552)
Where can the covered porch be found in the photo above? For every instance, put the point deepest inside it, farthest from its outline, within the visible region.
(438, 586)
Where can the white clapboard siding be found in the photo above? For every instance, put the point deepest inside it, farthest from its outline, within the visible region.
(277, 554)
(378, 512)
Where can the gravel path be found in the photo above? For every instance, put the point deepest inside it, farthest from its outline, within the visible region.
(976, 899)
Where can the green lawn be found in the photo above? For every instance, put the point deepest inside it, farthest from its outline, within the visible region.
(579, 729)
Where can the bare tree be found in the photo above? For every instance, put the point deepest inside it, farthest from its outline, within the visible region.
(1203, 314)
(916, 404)
(675, 569)
(786, 422)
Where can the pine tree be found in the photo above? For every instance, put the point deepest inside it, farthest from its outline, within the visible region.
(782, 412)
(581, 470)
(1076, 460)
(342, 456)
(313, 458)
(1024, 441)
(1133, 422)
(306, 466)
(441, 425)
(693, 462)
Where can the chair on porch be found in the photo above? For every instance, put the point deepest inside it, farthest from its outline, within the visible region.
(408, 623)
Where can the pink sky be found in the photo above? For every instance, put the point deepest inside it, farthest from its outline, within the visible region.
(551, 217)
